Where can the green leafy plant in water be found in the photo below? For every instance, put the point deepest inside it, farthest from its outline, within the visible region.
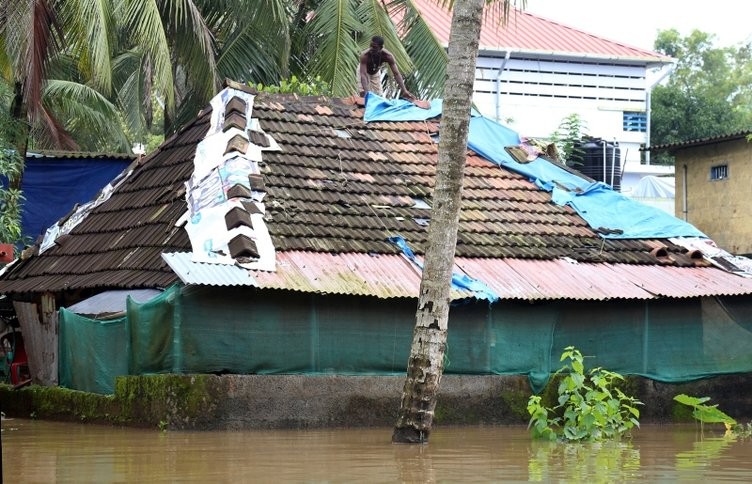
(706, 413)
(590, 405)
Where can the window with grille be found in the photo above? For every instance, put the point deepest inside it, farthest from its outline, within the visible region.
(719, 172)
(635, 121)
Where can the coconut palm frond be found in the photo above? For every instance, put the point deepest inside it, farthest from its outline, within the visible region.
(237, 10)
(337, 52)
(428, 55)
(6, 69)
(130, 93)
(194, 43)
(90, 29)
(85, 110)
(501, 8)
(50, 133)
(251, 54)
(34, 34)
(145, 24)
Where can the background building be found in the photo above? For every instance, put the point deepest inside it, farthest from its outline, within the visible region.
(534, 72)
(713, 176)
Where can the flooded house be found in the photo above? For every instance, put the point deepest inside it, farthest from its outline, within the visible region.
(278, 234)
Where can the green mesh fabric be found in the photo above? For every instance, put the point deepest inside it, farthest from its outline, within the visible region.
(154, 334)
(92, 353)
(246, 331)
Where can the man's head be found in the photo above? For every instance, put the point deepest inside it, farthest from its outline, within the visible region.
(377, 42)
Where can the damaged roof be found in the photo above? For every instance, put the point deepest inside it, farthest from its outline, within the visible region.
(335, 191)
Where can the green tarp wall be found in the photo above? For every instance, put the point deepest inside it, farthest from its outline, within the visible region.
(247, 331)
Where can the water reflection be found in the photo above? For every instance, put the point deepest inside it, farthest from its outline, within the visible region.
(584, 462)
(35, 451)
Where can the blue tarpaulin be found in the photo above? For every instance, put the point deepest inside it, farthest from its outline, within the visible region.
(609, 212)
(461, 281)
(52, 186)
(382, 109)
(604, 208)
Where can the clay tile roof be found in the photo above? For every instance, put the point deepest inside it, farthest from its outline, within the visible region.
(325, 193)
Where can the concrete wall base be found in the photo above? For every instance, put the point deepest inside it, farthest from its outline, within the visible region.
(229, 402)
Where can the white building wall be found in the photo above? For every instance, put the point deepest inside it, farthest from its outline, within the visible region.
(532, 96)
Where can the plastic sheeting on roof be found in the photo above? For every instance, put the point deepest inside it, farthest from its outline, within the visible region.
(382, 109)
(64, 226)
(52, 185)
(609, 213)
(112, 301)
(461, 281)
(225, 216)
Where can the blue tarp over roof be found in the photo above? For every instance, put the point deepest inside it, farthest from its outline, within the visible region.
(52, 186)
(608, 212)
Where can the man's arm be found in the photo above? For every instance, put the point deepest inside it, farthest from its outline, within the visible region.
(397, 76)
(364, 80)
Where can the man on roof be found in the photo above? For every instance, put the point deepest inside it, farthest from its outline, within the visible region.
(371, 61)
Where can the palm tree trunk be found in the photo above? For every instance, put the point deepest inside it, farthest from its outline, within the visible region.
(20, 133)
(426, 363)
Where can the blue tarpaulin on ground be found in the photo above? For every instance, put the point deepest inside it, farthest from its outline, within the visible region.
(609, 212)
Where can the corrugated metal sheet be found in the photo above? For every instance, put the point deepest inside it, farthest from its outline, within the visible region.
(380, 275)
(393, 276)
(532, 33)
(208, 274)
(89, 155)
(562, 279)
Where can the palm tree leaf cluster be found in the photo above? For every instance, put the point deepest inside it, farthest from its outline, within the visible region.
(96, 74)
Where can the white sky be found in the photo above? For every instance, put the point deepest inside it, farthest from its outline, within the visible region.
(637, 22)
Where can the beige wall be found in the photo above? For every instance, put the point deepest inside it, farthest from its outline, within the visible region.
(720, 208)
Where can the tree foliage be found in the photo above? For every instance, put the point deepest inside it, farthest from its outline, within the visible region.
(73, 63)
(708, 94)
(10, 168)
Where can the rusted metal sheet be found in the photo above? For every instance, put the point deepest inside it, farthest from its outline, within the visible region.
(379, 275)
(394, 276)
(566, 279)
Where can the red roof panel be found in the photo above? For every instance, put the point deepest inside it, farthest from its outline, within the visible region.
(532, 33)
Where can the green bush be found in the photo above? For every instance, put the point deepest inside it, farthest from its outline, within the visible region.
(11, 168)
(590, 405)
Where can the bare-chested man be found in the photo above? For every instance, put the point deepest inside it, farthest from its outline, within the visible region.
(371, 61)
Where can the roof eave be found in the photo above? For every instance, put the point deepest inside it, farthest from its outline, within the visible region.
(652, 61)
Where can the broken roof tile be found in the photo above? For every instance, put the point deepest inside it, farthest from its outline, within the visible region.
(324, 192)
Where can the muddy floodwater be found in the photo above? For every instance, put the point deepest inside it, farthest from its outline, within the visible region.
(42, 451)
